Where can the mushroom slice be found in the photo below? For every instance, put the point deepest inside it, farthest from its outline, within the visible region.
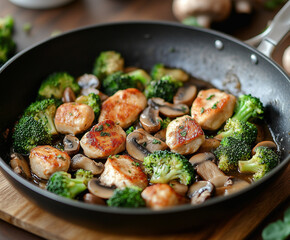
(237, 185)
(185, 95)
(71, 144)
(80, 161)
(140, 144)
(92, 199)
(150, 119)
(268, 144)
(20, 165)
(200, 191)
(68, 95)
(201, 157)
(161, 134)
(178, 187)
(209, 145)
(99, 190)
(89, 81)
(168, 109)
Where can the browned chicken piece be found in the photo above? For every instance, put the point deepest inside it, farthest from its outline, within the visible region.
(73, 118)
(184, 135)
(160, 196)
(46, 160)
(122, 171)
(104, 139)
(123, 107)
(212, 108)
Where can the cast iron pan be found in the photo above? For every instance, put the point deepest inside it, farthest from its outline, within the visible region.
(144, 44)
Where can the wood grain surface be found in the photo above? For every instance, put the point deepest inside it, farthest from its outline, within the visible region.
(15, 209)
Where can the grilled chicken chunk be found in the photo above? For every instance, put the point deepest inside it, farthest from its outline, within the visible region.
(122, 171)
(123, 107)
(159, 196)
(73, 118)
(46, 160)
(184, 135)
(104, 139)
(212, 108)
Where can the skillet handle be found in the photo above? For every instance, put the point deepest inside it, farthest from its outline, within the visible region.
(278, 28)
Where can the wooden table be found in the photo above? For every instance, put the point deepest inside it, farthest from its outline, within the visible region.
(87, 12)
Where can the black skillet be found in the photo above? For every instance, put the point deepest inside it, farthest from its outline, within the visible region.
(204, 53)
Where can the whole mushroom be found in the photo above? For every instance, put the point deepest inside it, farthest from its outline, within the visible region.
(205, 11)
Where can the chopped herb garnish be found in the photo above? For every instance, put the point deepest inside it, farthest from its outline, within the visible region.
(155, 141)
(144, 144)
(136, 164)
(183, 133)
(105, 134)
(181, 127)
(99, 128)
(60, 156)
(117, 156)
(129, 130)
(108, 124)
(215, 105)
(183, 109)
(129, 171)
(202, 110)
(110, 157)
(70, 114)
(210, 97)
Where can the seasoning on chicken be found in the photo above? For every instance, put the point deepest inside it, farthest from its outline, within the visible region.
(212, 108)
(184, 135)
(104, 139)
(123, 107)
(46, 160)
(73, 118)
(122, 171)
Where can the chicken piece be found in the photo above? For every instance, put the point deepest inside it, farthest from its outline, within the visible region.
(46, 160)
(184, 135)
(212, 108)
(73, 118)
(104, 139)
(122, 171)
(123, 107)
(161, 195)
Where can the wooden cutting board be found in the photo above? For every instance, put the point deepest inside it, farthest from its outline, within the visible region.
(17, 210)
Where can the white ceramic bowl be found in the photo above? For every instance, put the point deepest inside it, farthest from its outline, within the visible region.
(40, 4)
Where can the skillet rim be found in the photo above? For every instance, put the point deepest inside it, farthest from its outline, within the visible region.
(146, 211)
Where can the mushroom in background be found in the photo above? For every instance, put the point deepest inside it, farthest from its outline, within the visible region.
(286, 60)
(243, 6)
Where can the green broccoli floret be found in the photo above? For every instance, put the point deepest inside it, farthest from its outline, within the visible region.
(164, 88)
(141, 76)
(93, 100)
(108, 62)
(6, 26)
(43, 111)
(84, 175)
(129, 197)
(244, 131)
(230, 151)
(164, 166)
(159, 70)
(164, 123)
(62, 184)
(261, 163)
(7, 48)
(248, 108)
(130, 130)
(119, 81)
(55, 84)
(28, 134)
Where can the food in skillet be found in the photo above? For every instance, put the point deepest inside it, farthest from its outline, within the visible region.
(123, 138)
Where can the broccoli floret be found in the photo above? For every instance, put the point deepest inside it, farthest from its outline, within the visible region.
(7, 48)
(129, 197)
(119, 81)
(108, 62)
(261, 163)
(43, 111)
(241, 130)
(164, 88)
(130, 130)
(62, 184)
(159, 70)
(230, 151)
(93, 100)
(55, 84)
(28, 134)
(248, 108)
(84, 175)
(141, 76)
(6, 26)
(164, 166)
(164, 123)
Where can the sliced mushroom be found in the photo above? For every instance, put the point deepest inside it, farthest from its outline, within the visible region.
(89, 81)
(99, 190)
(20, 165)
(260, 134)
(168, 109)
(68, 95)
(80, 161)
(178, 187)
(71, 145)
(209, 145)
(237, 185)
(201, 157)
(185, 95)
(150, 119)
(161, 135)
(200, 191)
(87, 91)
(268, 144)
(140, 144)
(92, 199)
